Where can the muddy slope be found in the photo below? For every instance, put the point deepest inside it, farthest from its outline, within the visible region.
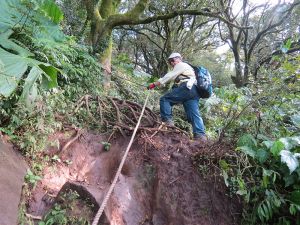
(12, 171)
(158, 186)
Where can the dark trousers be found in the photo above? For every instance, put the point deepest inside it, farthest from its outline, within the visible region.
(189, 99)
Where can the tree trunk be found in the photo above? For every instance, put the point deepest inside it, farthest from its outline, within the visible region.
(102, 45)
(246, 72)
(238, 78)
(104, 17)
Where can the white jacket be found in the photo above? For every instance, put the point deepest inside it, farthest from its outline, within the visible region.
(181, 68)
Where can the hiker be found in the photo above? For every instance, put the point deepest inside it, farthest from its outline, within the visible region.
(183, 91)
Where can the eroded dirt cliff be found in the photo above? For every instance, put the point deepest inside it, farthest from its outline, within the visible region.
(159, 184)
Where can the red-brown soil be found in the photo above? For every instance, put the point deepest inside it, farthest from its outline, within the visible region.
(12, 171)
(159, 184)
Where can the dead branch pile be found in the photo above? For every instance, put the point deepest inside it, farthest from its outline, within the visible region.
(122, 115)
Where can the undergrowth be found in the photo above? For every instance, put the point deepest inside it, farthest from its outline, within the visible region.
(70, 209)
(264, 171)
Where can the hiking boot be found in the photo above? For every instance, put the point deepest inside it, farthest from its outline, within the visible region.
(169, 123)
(200, 137)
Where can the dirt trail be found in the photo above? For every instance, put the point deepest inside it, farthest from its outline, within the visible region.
(158, 185)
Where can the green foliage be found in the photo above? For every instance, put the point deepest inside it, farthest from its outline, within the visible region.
(70, 209)
(9, 15)
(266, 172)
(37, 18)
(257, 109)
(56, 216)
(47, 72)
(218, 67)
(31, 178)
(15, 65)
(106, 145)
(229, 112)
(130, 84)
(50, 9)
(271, 188)
(285, 47)
(80, 74)
(29, 128)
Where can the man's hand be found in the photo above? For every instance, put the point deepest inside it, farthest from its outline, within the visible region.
(151, 86)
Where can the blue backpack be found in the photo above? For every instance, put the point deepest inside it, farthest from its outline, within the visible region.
(204, 82)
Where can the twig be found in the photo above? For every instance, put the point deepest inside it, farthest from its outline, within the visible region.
(86, 100)
(156, 131)
(130, 120)
(121, 131)
(79, 132)
(77, 107)
(234, 117)
(79, 103)
(137, 105)
(112, 133)
(178, 129)
(33, 217)
(117, 109)
(99, 109)
(177, 178)
(148, 138)
(133, 112)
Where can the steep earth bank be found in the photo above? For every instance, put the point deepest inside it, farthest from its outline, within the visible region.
(159, 184)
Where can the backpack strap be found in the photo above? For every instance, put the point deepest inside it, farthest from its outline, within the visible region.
(180, 77)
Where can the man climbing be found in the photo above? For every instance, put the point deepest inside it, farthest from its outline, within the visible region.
(184, 91)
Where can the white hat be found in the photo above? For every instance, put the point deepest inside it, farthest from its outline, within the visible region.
(173, 55)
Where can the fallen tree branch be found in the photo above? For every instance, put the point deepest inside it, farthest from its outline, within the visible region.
(79, 132)
(33, 217)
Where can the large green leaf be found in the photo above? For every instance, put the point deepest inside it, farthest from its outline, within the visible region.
(48, 32)
(7, 43)
(291, 159)
(247, 150)
(52, 10)
(268, 144)
(295, 197)
(13, 70)
(14, 66)
(290, 180)
(277, 147)
(247, 140)
(39, 17)
(30, 87)
(262, 155)
(9, 15)
(50, 80)
(290, 142)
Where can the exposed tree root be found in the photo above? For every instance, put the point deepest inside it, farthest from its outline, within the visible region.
(78, 133)
(121, 115)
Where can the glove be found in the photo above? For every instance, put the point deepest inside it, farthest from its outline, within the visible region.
(151, 86)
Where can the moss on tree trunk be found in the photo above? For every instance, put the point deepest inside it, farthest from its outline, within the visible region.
(104, 18)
